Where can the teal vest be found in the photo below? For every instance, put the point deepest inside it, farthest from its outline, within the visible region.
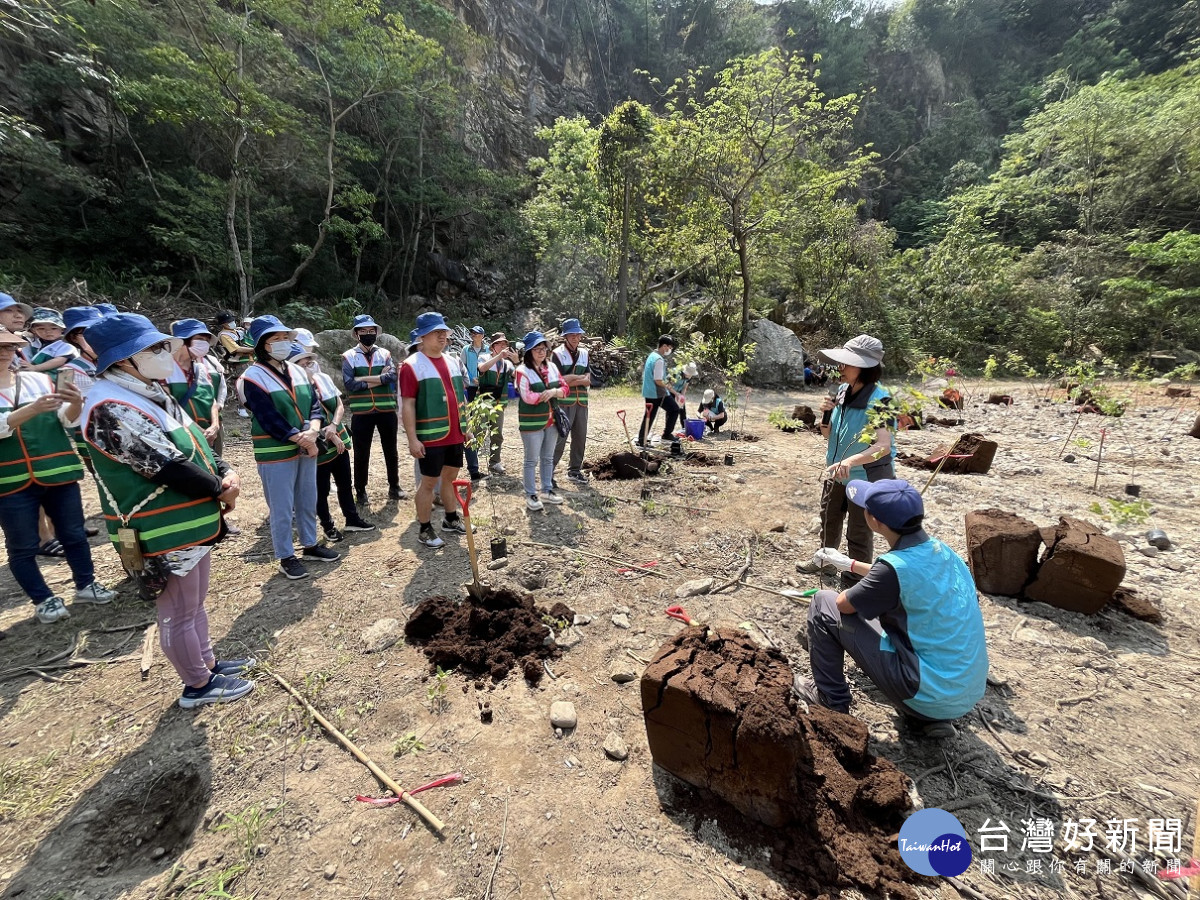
(649, 388)
(945, 627)
(845, 427)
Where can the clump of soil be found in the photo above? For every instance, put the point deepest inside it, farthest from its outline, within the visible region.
(720, 714)
(744, 436)
(703, 460)
(491, 636)
(622, 466)
(972, 454)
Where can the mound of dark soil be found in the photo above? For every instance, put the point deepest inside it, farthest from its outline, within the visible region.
(720, 714)
(622, 466)
(703, 460)
(491, 636)
(972, 454)
(744, 436)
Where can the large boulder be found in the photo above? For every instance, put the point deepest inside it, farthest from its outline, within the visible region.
(778, 359)
(1002, 550)
(1081, 569)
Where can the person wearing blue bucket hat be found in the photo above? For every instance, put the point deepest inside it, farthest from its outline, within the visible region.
(164, 493)
(538, 385)
(47, 350)
(39, 471)
(433, 400)
(470, 358)
(14, 315)
(197, 382)
(286, 418)
(369, 377)
(81, 368)
(912, 623)
(573, 361)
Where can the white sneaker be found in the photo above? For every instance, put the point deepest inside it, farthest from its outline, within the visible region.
(244, 413)
(534, 503)
(656, 440)
(551, 497)
(51, 610)
(95, 593)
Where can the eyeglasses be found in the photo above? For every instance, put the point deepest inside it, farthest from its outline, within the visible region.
(161, 347)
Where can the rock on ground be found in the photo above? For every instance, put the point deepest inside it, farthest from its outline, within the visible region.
(380, 635)
(778, 359)
(562, 714)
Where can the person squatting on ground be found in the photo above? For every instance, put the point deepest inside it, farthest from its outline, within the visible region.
(538, 385)
(712, 411)
(233, 353)
(433, 398)
(333, 460)
(285, 421)
(369, 376)
(657, 393)
(39, 470)
(912, 624)
(197, 383)
(574, 366)
(469, 360)
(495, 375)
(860, 447)
(163, 491)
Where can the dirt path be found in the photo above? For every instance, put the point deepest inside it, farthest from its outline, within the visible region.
(107, 789)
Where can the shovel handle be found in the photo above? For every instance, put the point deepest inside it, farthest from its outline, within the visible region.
(678, 612)
(621, 415)
(464, 500)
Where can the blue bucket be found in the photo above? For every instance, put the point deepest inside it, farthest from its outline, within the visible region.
(512, 391)
(695, 429)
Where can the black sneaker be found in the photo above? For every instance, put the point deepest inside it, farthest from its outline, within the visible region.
(235, 667)
(321, 554)
(332, 534)
(456, 525)
(293, 568)
(394, 493)
(359, 524)
(577, 477)
(220, 689)
(429, 538)
(477, 476)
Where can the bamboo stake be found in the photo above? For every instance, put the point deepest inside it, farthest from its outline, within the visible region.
(1099, 456)
(607, 559)
(148, 649)
(430, 819)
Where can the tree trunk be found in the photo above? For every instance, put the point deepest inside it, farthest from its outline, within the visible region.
(231, 228)
(744, 261)
(623, 266)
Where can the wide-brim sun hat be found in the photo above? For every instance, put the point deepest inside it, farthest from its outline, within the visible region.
(76, 317)
(189, 328)
(363, 320)
(305, 339)
(430, 322)
(691, 370)
(9, 337)
(532, 339)
(863, 351)
(44, 315)
(106, 309)
(413, 340)
(498, 338)
(6, 301)
(264, 326)
(120, 336)
(571, 326)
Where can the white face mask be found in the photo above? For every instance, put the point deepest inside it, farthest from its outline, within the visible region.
(199, 349)
(280, 350)
(154, 365)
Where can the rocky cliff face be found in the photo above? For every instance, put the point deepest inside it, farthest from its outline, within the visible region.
(523, 77)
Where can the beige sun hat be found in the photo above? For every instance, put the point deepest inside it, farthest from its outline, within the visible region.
(863, 351)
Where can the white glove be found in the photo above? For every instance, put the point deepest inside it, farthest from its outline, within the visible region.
(827, 556)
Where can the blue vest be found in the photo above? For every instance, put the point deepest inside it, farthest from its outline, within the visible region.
(649, 388)
(845, 427)
(470, 361)
(945, 627)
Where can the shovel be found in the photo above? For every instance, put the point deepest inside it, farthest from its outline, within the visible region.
(628, 439)
(464, 500)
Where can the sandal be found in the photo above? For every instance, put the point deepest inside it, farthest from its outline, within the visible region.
(51, 548)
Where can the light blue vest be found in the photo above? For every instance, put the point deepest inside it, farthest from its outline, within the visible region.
(649, 388)
(845, 426)
(945, 627)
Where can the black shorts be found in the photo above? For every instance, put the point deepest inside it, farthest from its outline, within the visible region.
(438, 458)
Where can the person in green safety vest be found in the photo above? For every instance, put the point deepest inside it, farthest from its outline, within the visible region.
(495, 375)
(197, 382)
(50, 351)
(164, 493)
(39, 469)
(859, 428)
(573, 363)
(286, 419)
(369, 377)
(538, 384)
(433, 397)
(912, 624)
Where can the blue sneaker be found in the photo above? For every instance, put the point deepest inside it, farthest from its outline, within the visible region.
(220, 689)
(234, 666)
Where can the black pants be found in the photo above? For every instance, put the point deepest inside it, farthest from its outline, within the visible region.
(648, 420)
(674, 413)
(362, 433)
(338, 469)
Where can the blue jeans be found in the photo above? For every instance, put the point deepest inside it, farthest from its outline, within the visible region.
(291, 491)
(19, 519)
(539, 448)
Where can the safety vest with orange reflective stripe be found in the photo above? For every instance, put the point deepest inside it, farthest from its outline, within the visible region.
(294, 403)
(39, 451)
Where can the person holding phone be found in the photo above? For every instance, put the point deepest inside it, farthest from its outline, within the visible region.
(197, 382)
(39, 470)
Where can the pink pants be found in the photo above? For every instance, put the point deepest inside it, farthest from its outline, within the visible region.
(183, 624)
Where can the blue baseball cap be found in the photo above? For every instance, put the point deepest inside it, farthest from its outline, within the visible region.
(430, 321)
(44, 315)
(893, 501)
(477, 329)
(189, 328)
(571, 326)
(363, 321)
(75, 317)
(118, 337)
(532, 339)
(265, 325)
(6, 301)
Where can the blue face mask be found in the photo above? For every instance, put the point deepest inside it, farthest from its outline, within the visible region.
(280, 350)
